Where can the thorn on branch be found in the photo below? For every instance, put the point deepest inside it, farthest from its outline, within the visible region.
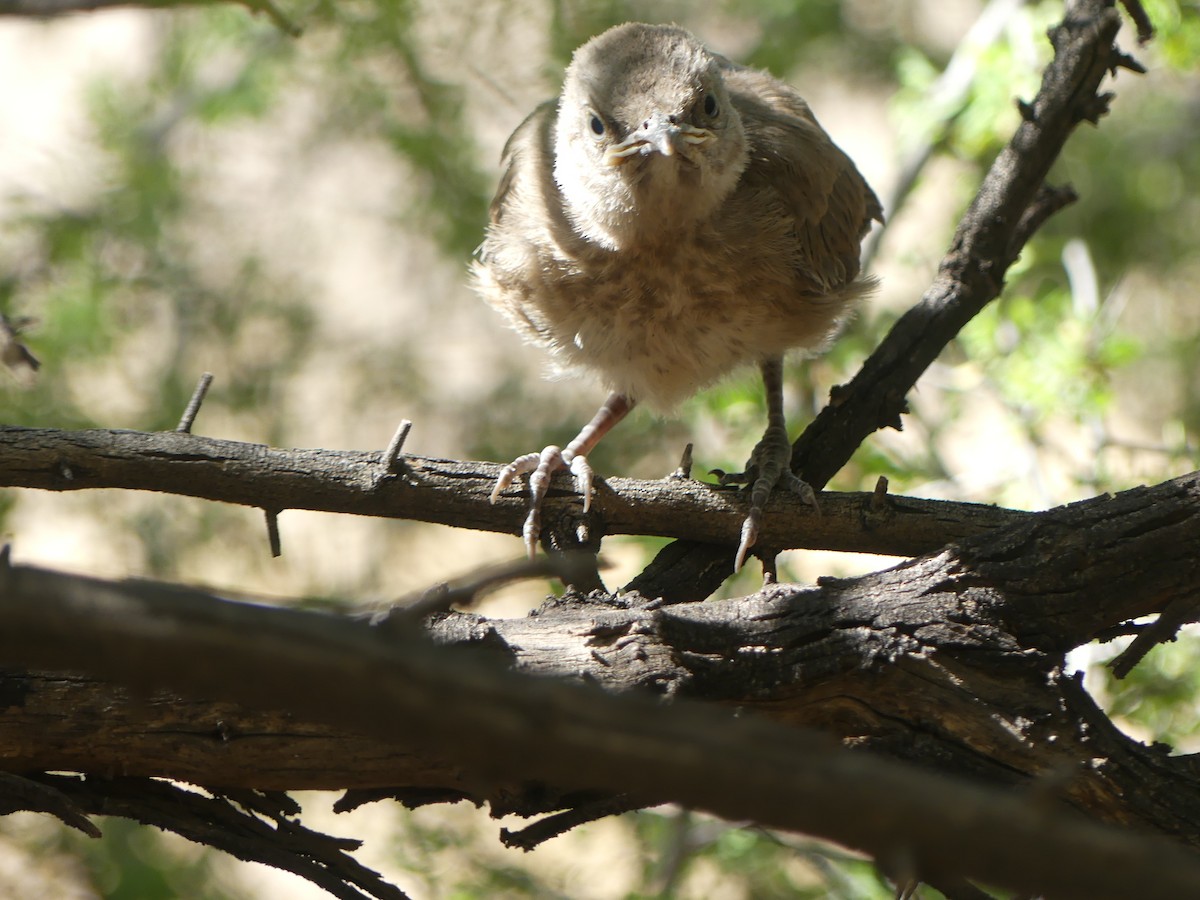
(1092, 109)
(888, 418)
(684, 471)
(273, 532)
(466, 590)
(193, 407)
(879, 496)
(1121, 60)
(1026, 110)
(393, 459)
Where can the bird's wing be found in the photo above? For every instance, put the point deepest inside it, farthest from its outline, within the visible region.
(528, 150)
(832, 205)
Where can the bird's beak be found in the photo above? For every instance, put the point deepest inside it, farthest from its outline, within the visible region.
(658, 134)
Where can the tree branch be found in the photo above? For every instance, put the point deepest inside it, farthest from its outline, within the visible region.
(952, 660)
(988, 240)
(456, 493)
(501, 727)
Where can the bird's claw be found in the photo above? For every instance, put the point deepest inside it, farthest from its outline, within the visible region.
(510, 473)
(581, 471)
(541, 468)
(801, 489)
(769, 467)
(748, 538)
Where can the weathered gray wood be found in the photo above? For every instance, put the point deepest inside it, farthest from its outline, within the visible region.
(455, 493)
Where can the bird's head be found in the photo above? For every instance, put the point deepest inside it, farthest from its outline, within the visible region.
(647, 143)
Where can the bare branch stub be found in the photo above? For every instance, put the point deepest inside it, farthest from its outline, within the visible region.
(273, 539)
(20, 794)
(531, 836)
(393, 456)
(193, 407)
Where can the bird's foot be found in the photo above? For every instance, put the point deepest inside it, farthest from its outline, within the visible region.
(541, 467)
(769, 467)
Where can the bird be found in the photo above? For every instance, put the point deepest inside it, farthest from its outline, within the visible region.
(670, 218)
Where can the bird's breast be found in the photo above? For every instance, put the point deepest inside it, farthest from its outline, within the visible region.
(661, 323)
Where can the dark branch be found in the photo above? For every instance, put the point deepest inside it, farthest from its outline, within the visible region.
(217, 822)
(456, 493)
(499, 725)
(904, 662)
(987, 241)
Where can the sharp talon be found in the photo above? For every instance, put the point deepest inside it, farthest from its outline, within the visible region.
(725, 479)
(540, 467)
(530, 532)
(582, 471)
(519, 466)
(749, 537)
(803, 490)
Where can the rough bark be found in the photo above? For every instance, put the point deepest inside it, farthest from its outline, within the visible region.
(456, 493)
(952, 662)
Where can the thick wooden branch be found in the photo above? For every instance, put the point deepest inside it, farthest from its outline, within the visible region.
(1012, 201)
(500, 728)
(456, 493)
(953, 661)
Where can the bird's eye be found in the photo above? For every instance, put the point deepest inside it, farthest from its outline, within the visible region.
(710, 105)
(596, 125)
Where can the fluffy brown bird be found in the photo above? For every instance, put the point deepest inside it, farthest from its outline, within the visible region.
(670, 218)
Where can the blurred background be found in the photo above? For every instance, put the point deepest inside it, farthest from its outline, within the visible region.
(190, 190)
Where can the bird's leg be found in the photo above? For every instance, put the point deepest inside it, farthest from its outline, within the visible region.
(541, 466)
(770, 462)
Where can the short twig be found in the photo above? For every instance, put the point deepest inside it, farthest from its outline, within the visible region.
(879, 496)
(273, 532)
(193, 407)
(468, 589)
(393, 459)
(19, 794)
(1162, 630)
(560, 823)
(684, 470)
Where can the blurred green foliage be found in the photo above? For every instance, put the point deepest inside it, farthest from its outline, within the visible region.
(140, 283)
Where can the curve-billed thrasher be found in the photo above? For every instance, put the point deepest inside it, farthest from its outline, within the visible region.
(670, 218)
